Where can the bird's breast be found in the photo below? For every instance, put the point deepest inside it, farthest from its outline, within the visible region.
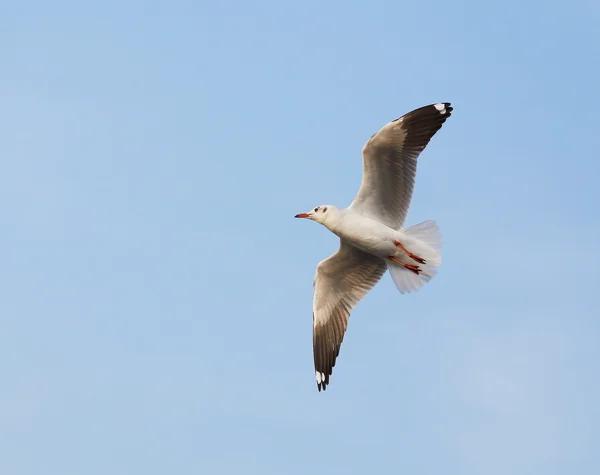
(367, 235)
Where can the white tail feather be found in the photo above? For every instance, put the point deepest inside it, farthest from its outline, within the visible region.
(424, 240)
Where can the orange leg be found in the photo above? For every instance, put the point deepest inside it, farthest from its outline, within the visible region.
(414, 257)
(410, 267)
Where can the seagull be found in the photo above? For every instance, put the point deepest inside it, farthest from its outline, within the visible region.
(371, 232)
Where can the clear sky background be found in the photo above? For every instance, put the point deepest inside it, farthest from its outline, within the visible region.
(156, 292)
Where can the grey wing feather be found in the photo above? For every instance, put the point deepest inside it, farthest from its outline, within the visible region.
(390, 163)
(341, 281)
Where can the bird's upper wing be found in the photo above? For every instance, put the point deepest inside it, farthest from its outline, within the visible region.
(390, 163)
(341, 281)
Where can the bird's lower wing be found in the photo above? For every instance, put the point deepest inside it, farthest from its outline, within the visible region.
(341, 281)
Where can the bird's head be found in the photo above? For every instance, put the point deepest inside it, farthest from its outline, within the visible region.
(324, 214)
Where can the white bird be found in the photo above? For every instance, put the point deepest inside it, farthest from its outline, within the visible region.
(372, 238)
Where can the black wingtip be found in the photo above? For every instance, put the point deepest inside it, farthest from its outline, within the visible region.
(444, 108)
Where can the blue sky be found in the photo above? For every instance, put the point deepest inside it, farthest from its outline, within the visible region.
(157, 292)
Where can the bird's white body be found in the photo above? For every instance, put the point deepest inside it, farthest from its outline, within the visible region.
(371, 232)
(364, 233)
(378, 239)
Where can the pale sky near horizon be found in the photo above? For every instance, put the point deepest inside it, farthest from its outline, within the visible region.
(157, 293)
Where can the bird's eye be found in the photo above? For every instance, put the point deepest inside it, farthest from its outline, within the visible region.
(316, 209)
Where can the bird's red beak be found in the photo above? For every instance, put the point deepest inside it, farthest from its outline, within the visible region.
(302, 215)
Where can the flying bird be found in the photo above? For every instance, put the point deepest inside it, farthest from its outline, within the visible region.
(371, 232)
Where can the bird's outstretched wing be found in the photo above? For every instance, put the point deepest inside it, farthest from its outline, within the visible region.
(390, 163)
(341, 281)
